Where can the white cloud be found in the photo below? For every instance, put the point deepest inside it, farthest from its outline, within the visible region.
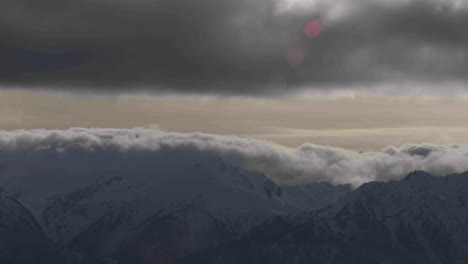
(337, 10)
(309, 163)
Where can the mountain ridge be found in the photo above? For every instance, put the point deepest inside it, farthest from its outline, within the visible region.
(420, 219)
(215, 216)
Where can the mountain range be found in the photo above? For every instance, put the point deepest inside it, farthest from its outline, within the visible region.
(210, 210)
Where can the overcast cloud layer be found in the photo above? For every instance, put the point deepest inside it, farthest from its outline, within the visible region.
(309, 163)
(231, 47)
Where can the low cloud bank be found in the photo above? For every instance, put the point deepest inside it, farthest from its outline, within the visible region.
(308, 163)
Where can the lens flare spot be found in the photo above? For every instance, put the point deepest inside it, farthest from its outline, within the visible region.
(313, 29)
(295, 56)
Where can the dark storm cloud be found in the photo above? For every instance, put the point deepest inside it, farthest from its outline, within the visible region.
(229, 47)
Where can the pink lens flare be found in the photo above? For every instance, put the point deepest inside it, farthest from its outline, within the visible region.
(313, 29)
(295, 56)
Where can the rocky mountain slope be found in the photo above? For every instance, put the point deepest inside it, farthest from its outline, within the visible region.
(421, 219)
(156, 210)
(21, 237)
(190, 208)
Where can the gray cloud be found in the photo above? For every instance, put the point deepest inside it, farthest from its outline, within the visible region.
(229, 47)
(309, 163)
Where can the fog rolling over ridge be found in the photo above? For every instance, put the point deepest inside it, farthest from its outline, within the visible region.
(233, 132)
(308, 163)
(93, 196)
(100, 203)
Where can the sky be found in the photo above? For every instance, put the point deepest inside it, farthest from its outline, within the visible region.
(359, 75)
(245, 47)
(358, 123)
